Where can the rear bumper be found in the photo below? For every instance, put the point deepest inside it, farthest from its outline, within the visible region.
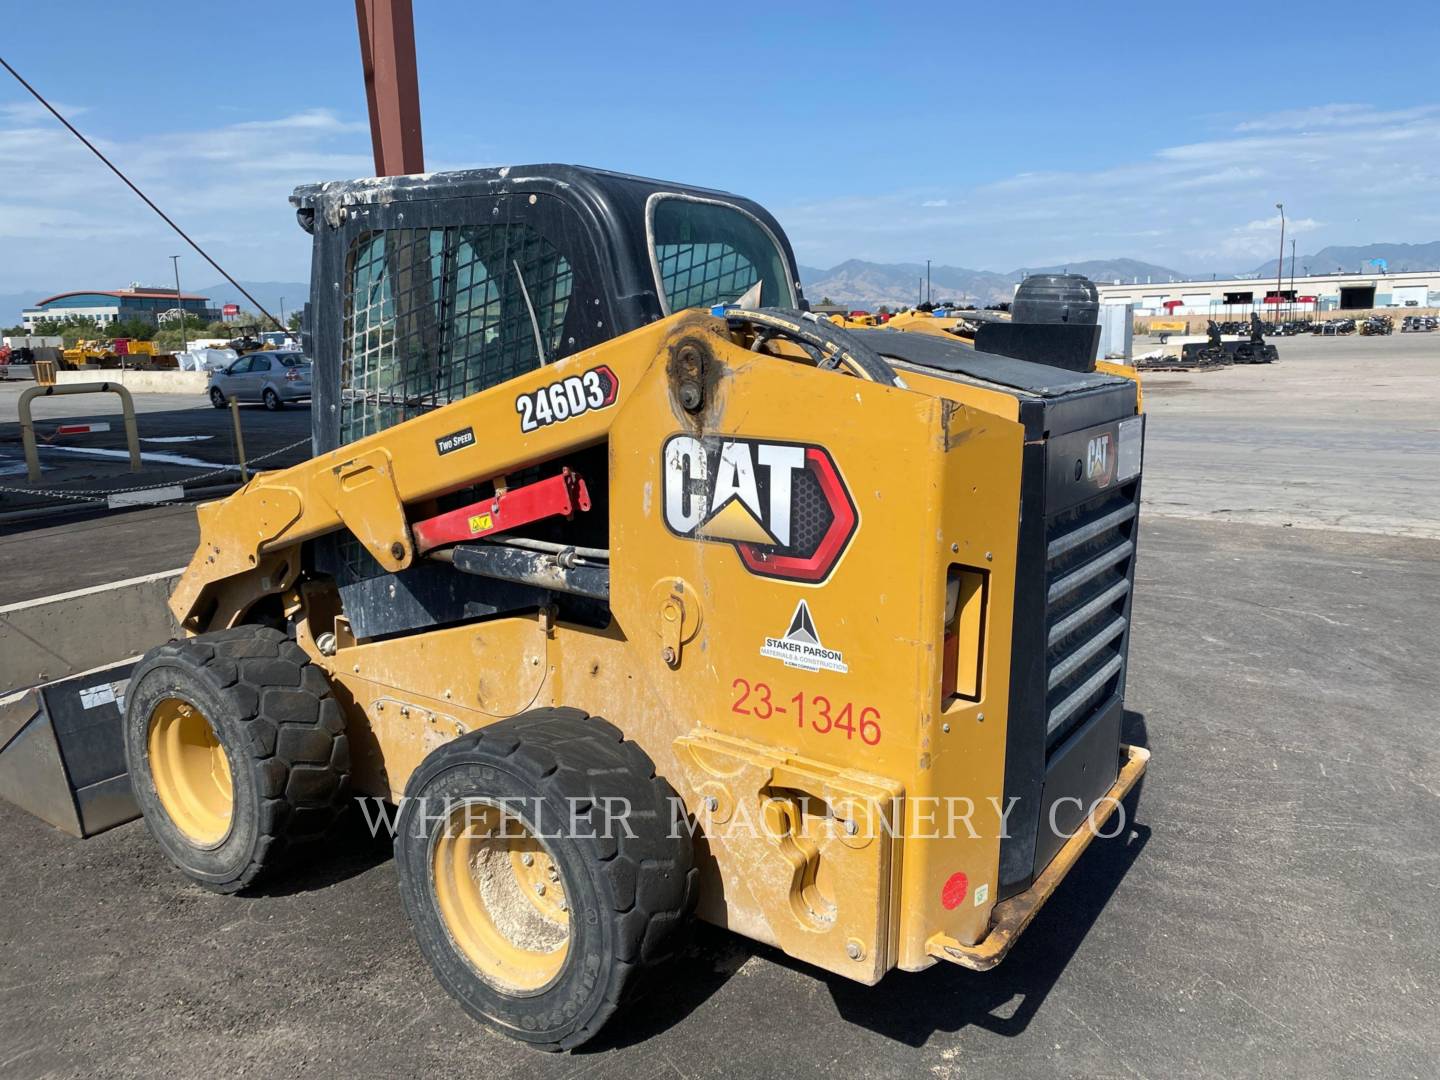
(1010, 917)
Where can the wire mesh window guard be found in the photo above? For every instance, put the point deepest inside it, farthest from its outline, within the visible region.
(433, 315)
(708, 253)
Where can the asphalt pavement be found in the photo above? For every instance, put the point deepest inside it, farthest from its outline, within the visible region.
(1273, 909)
(183, 440)
(1271, 912)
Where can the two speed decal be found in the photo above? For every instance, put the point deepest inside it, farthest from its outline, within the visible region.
(567, 398)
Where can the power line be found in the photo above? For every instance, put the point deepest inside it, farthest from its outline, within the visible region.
(145, 198)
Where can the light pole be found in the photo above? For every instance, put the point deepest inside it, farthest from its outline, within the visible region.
(1292, 271)
(282, 313)
(175, 261)
(1280, 266)
(928, 298)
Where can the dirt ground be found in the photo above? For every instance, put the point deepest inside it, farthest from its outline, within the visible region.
(1271, 911)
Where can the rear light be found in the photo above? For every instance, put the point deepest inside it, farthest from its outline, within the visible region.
(292, 375)
(964, 633)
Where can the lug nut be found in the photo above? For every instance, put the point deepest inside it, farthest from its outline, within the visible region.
(851, 827)
(712, 804)
(539, 888)
(527, 859)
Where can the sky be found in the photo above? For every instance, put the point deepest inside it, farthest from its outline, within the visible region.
(978, 137)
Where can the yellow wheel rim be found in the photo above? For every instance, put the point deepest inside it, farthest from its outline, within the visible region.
(501, 897)
(190, 771)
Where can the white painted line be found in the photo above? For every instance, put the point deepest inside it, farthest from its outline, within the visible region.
(175, 438)
(159, 457)
(109, 585)
(173, 493)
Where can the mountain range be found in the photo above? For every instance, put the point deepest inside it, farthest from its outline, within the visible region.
(1398, 258)
(869, 285)
(861, 284)
(291, 295)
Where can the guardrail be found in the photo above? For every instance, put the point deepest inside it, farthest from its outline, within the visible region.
(27, 425)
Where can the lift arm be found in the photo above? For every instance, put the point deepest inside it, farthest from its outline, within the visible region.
(249, 541)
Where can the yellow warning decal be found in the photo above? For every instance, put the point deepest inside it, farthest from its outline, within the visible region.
(480, 523)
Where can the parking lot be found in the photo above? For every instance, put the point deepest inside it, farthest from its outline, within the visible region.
(1270, 911)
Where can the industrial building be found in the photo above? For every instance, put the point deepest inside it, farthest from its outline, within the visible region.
(118, 305)
(1237, 297)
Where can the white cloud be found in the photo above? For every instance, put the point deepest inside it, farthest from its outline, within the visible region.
(1331, 116)
(1346, 173)
(30, 111)
(67, 222)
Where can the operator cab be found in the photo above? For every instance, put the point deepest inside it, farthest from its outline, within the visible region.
(429, 288)
(426, 289)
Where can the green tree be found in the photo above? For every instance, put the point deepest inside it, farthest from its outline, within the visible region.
(294, 321)
(135, 329)
(192, 322)
(247, 323)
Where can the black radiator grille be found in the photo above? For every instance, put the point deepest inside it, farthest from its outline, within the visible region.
(1090, 558)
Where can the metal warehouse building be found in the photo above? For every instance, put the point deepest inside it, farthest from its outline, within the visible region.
(119, 305)
(1237, 297)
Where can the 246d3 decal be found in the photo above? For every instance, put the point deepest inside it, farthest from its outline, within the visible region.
(783, 506)
(566, 398)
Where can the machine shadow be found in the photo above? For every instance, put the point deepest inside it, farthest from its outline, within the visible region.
(348, 850)
(912, 1007)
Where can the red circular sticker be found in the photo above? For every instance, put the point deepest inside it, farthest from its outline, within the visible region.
(954, 890)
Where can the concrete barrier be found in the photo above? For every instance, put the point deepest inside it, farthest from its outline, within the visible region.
(53, 637)
(141, 382)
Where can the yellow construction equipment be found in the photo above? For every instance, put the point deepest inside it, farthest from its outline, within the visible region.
(854, 607)
(87, 354)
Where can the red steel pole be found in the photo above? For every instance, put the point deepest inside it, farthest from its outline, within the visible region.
(392, 84)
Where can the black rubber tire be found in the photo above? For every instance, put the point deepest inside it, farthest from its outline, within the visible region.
(637, 892)
(272, 400)
(217, 398)
(284, 739)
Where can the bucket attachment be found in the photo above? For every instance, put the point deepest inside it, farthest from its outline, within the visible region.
(62, 751)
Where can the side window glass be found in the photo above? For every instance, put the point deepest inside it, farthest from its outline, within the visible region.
(240, 367)
(261, 363)
(708, 253)
(432, 315)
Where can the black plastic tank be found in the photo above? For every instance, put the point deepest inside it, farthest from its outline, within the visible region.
(1056, 298)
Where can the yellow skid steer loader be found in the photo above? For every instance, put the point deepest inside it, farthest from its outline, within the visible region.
(643, 594)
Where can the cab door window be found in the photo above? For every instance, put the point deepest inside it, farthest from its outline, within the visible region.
(435, 314)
